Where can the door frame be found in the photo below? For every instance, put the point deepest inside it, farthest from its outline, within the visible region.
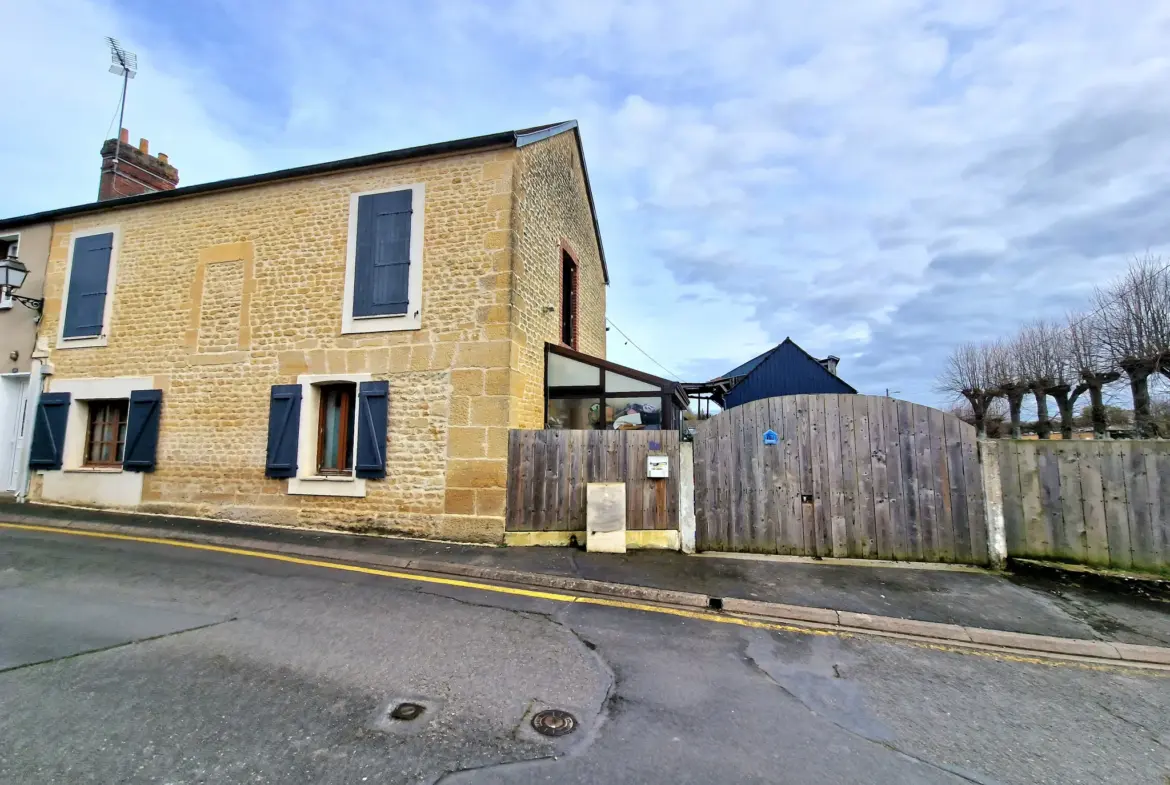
(13, 418)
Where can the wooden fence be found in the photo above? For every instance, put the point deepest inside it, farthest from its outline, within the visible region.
(548, 470)
(1105, 503)
(852, 475)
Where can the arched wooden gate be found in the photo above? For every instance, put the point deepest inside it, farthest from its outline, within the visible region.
(848, 476)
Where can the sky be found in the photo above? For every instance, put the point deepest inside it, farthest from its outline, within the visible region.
(876, 179)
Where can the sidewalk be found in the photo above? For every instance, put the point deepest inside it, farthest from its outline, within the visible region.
(967, 598)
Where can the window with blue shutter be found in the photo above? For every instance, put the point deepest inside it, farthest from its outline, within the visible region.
(284, 422)
(85, 304)
(142, 430)
(373, 419)
(48, 443)
(382, 258)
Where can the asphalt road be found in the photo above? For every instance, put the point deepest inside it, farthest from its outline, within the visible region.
(137, 663)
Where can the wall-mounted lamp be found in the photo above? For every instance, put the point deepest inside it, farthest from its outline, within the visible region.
(12, 275)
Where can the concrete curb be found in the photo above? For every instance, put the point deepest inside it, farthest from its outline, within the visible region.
(846, 621)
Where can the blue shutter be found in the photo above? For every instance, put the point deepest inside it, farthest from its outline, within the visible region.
(382, 258)
(373, 417)
(284, 422)
(48, 444)
(85, 307)
(142, 430)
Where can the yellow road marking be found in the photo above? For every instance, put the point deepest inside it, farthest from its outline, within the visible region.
(573, 598)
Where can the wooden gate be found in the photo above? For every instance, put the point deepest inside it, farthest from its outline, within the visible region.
(850, 476)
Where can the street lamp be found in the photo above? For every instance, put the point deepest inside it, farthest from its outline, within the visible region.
(12, 275)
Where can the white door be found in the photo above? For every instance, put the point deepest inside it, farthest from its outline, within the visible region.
(13, 403)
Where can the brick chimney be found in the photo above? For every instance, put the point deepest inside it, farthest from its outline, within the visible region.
(137, 171)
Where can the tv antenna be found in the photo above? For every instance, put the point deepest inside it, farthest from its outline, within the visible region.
(125, 65)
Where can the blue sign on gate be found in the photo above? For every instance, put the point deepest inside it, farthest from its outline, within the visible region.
(770, 437)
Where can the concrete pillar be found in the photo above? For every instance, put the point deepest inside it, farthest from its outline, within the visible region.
(993, 503)
(686, 497)
(605, 517)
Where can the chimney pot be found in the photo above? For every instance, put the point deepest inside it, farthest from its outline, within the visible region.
(162, 158)
(124, 136)
(144, 147)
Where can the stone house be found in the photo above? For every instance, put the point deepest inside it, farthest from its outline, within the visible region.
(344, 344)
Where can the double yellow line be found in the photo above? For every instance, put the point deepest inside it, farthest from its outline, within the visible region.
(717, 618)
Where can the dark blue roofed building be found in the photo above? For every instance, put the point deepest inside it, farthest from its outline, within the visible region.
(785, 369)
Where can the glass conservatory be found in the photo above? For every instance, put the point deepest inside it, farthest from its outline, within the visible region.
(582, 392)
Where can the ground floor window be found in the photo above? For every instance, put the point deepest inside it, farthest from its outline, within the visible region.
(106, 435)
(335, 429)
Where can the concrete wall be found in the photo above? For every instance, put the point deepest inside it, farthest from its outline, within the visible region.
(18, 325)
(221, 296)
(551, 210)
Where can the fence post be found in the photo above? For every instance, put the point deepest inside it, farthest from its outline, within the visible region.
(993, 503)
(686, 497)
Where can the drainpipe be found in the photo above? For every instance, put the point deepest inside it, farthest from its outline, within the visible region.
(38, 370)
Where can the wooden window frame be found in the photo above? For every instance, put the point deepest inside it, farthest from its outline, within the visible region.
(345, 436)
(121, 409)
(571, 309)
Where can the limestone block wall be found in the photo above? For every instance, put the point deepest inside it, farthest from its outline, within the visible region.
(551, 208)
(220, 296)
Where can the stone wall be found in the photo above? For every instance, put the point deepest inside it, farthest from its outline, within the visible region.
(220, 296)
(552, 207)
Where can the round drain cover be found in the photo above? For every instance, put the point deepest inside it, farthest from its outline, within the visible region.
(554, 722)
(407, 711)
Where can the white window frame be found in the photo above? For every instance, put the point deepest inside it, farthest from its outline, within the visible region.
(412, 319)
(308, 482)
(101, 339)
(6, 301)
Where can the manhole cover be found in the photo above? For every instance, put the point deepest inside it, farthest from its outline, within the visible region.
(407, 711)
(554, 722)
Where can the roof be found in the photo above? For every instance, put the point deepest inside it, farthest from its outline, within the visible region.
(750, 365)
(517, 138)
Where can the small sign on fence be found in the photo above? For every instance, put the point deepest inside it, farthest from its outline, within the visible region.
(770, 437)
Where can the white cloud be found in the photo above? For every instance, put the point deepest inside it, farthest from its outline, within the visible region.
(878, 179)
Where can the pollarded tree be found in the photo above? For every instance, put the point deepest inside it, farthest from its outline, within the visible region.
(1092, 360)
(970, 372)
(1010, 379)
(1047, 356)
(1037, 358)
(1133, 315)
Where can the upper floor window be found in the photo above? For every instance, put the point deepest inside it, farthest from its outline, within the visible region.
(383, 268)
(568, 300)
(89, 281)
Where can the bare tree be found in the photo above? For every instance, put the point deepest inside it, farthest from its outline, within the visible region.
(1050, 368)
(1041, 357)
(1010, 379)
(1134, 319)
(1091, 359)
(994, 416)
(970, 372)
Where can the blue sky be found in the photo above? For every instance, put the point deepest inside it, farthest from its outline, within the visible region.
(877, 179)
